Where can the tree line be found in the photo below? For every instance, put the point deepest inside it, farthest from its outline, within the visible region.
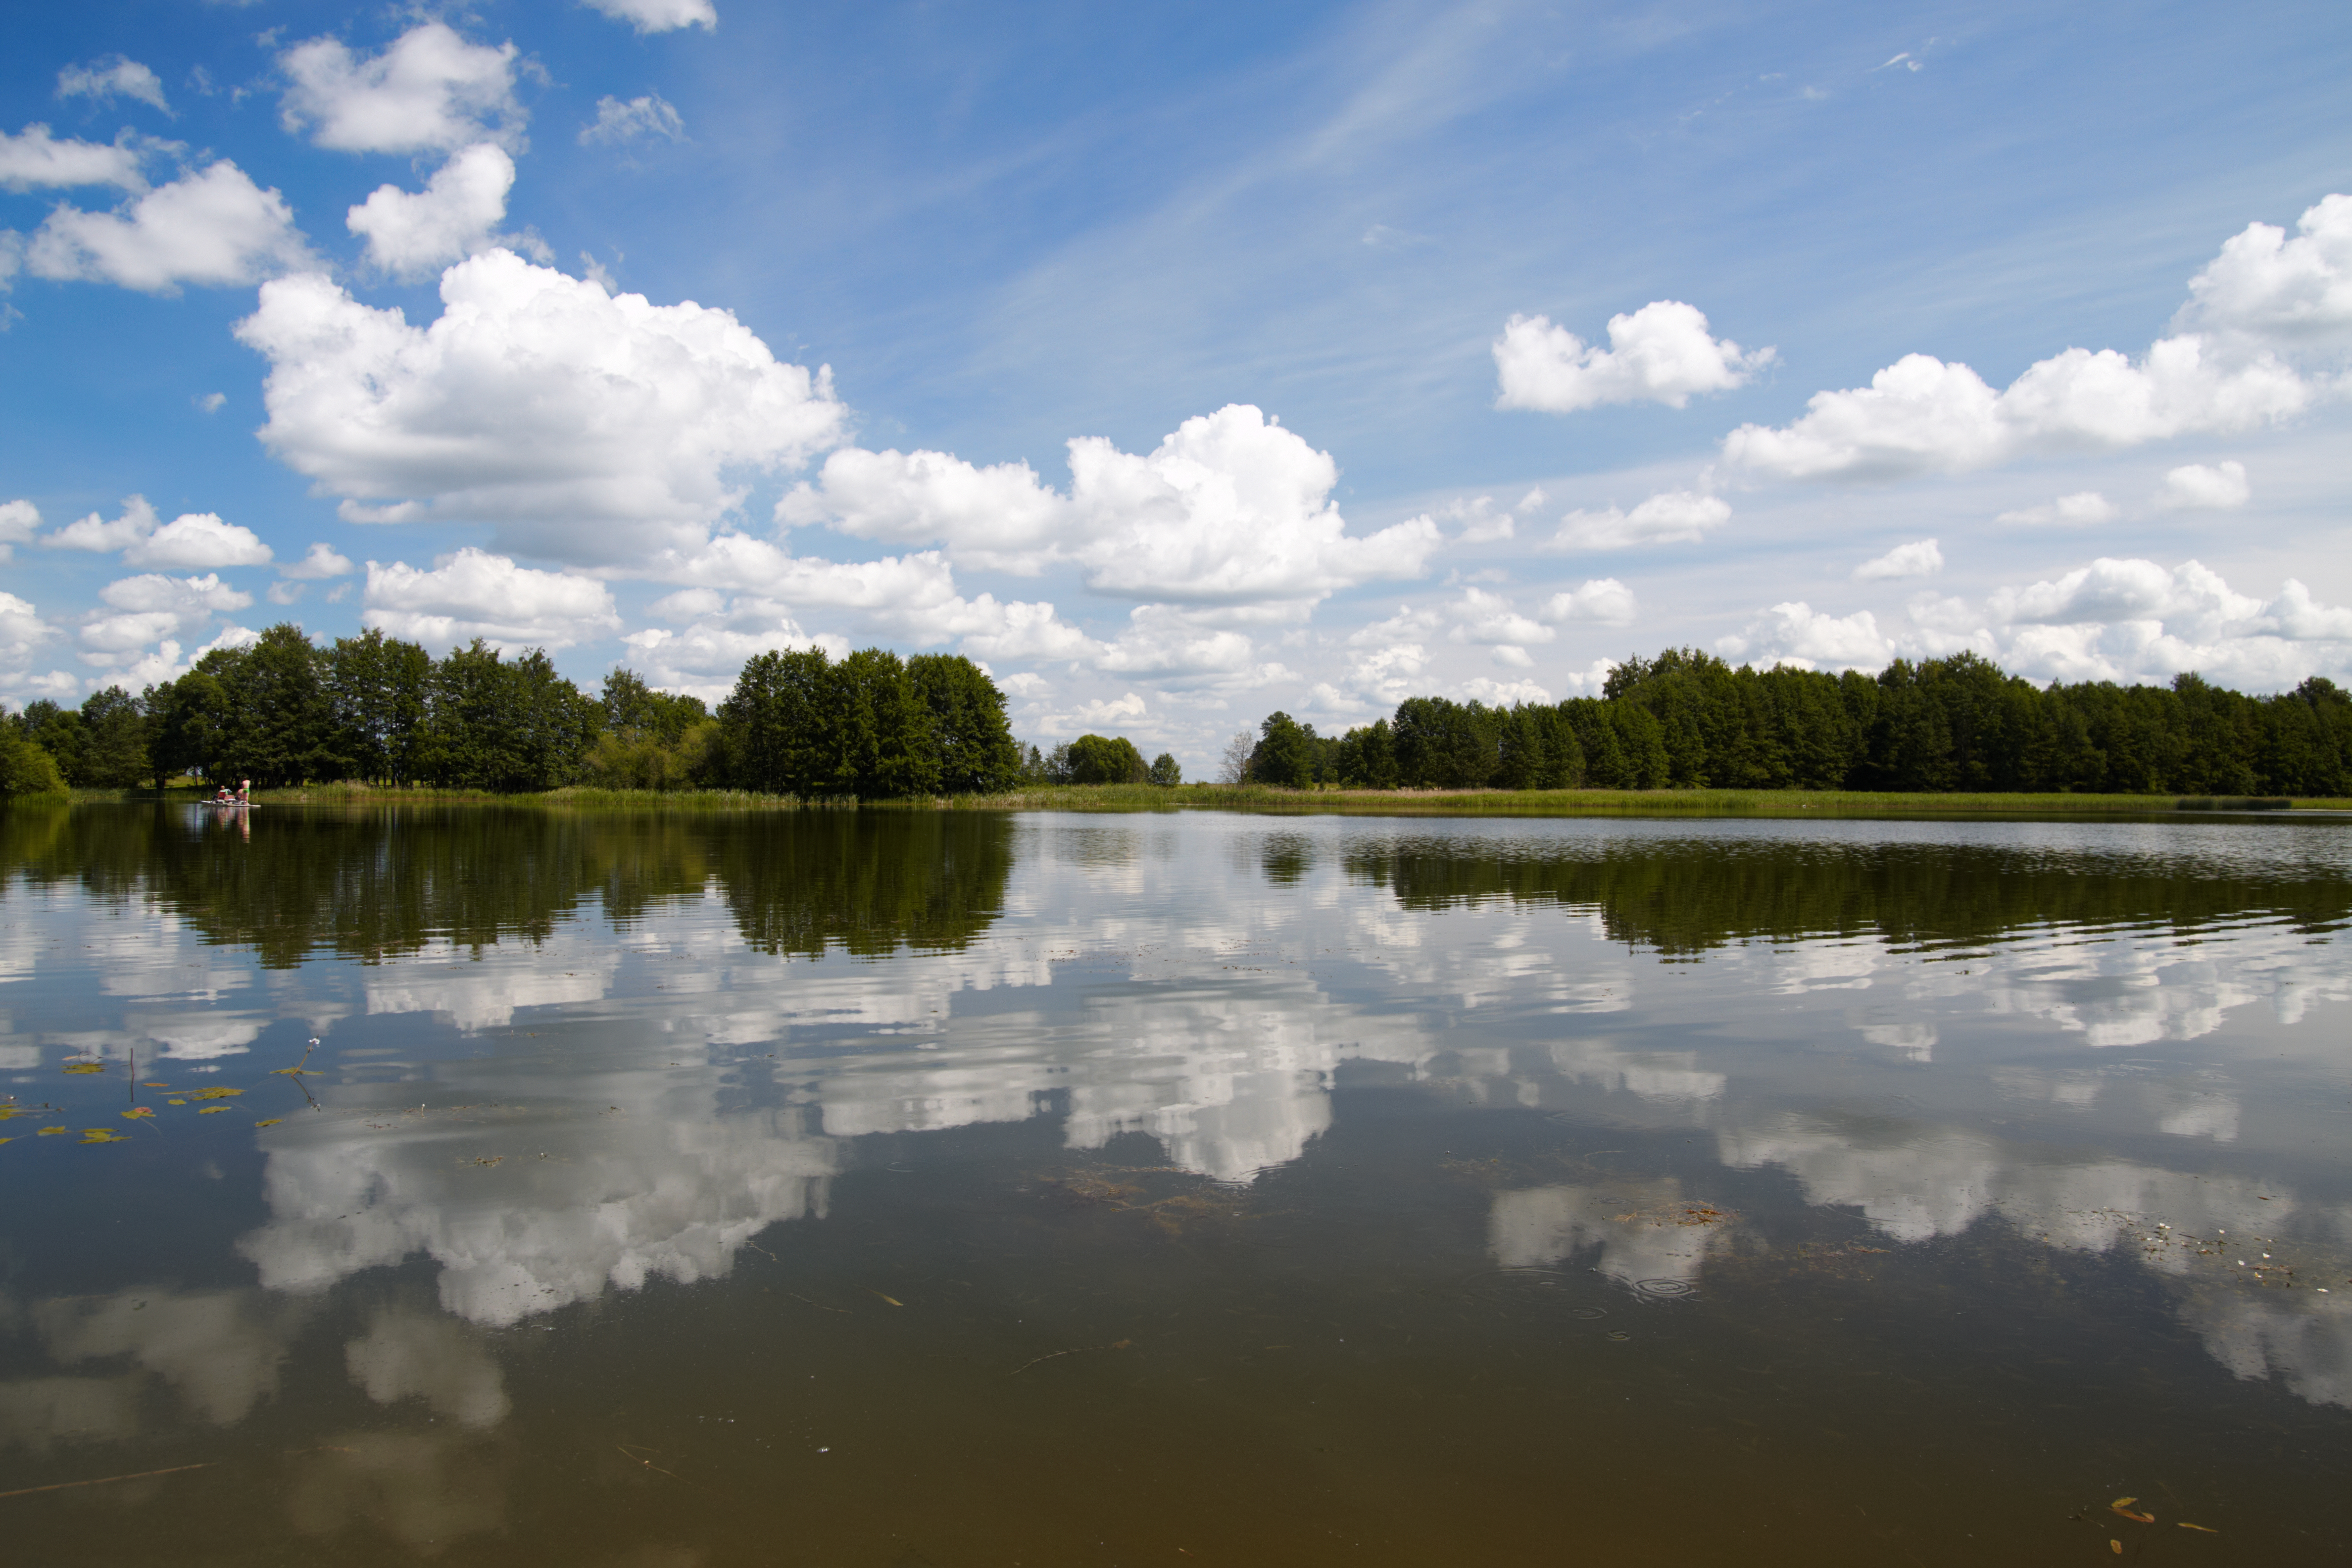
(284, 710)
(1688, 720)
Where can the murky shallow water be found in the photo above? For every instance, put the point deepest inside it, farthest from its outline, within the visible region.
(916, 1189)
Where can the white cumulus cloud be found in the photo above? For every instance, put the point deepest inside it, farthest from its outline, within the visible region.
(473, 594)
(35, 158)
(2080, 509)
(113, 76)
(194, 539)
(620, 121)
(1502, 693)
(1230, 508)
(999, 518)
(96, 534)
(1601, 599)
(1490, 619)
(1795, 633)
(2265, 284)
(1126, 714)
(152, 608)
(911, 597)
(18, 519)
(593, 427)
(705, 656)
(2222, 370)
(2131, 619)
(1668, 518)
(215, 226)
(198, 539)
(659, 15)
(21, 629)
(1922, 415)
(411, 233)
(428, 90)
(321, 562)
(1161, 643)
(2201, 487)
(1920, 559)
(1662, 353)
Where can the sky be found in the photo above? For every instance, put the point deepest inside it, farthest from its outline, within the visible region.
(1181, 362)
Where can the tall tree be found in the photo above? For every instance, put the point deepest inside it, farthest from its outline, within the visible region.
(977, 754)
(113, 741)
(380, 686)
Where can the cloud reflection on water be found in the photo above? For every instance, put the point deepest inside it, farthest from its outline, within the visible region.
(1208, 983)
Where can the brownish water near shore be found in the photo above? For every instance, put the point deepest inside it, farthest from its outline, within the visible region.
(959, 1188)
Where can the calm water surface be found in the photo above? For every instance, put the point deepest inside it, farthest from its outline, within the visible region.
(927, 1189)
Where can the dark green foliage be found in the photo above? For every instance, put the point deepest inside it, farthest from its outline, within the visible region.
(372, 885)
(114, 741)
(1098, 760)
(26, 768)
(633, 711)
(282, 712)
(1685, 719)
(380, 686)
(1366, 758)
(57, 731)
(771, 725)
(652, 739)
(1287, 752)
(494, 725)
(976, 751)
(1689, 895)
(1165, 773)
(883, 744)
(873, 727)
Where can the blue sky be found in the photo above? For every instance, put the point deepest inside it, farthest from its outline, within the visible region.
(724, 327)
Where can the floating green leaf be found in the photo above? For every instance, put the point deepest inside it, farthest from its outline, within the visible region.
(271, 1122)
(212, 1111)
(139, 1113)
(85, 1069)
(102, 1135)
(55, 1131)
(212, 1093)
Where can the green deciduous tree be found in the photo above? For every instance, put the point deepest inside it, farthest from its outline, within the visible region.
(1100, 760)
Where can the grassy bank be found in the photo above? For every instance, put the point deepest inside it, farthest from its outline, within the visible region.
(1322, 801)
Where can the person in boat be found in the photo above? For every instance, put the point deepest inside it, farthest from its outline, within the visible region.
(222, 797)
(244, 792)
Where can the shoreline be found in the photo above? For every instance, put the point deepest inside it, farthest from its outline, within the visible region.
(1276, 801)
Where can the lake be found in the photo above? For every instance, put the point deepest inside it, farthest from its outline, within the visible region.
(908, 1188)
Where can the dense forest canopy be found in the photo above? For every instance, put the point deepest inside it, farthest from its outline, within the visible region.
(284, 711)
(1687, 720)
